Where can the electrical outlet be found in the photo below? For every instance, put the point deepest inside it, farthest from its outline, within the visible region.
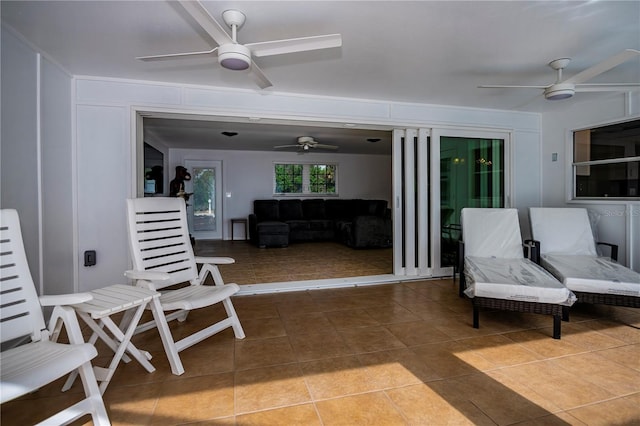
(89, 258)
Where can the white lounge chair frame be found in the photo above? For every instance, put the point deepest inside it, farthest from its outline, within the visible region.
(492, 260)
(163, 256)
(29, 366)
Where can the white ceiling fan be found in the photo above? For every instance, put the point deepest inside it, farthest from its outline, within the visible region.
(563, 89)
(235, 56)
(307, 143)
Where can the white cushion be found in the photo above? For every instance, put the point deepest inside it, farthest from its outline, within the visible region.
(591, 274)
(513, 279)
(562, 230)
(491, 233)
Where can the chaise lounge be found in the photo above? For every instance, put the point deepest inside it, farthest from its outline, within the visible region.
(496, 275)
(568, 250)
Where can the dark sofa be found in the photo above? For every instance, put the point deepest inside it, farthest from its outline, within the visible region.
(354, 222)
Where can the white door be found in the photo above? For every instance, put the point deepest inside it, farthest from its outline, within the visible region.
(204, 211)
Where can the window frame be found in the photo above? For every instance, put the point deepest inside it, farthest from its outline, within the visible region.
(306, 183)
(574, 166)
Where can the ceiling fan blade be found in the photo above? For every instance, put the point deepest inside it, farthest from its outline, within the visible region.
(279, 47)
(176, 55)
(613, 87)
(258, 76)
(322, 146)
(207, 22)
(506, 86)
(285, 146)
(603, 66)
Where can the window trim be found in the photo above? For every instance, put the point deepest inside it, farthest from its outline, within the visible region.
(572, 165)
(306, 184)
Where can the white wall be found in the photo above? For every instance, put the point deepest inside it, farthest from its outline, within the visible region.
(248, 175)
(618, 222)
(36, 167)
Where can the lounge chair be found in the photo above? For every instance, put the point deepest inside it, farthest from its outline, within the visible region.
(495, 273)
(568, 250)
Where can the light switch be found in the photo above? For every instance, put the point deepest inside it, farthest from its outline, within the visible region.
(554, 156)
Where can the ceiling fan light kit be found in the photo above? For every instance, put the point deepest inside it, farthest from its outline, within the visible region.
(559, 91)
(234, 57)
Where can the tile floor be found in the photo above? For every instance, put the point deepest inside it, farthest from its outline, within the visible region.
(298, 262)
(394, 354)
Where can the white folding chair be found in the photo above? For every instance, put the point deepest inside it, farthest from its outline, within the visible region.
(29, 366)
(163, 256)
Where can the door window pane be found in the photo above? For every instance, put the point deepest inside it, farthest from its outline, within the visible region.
(471, 175)
(204, 199)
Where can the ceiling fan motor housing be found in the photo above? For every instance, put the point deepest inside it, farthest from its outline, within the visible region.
(234, 56)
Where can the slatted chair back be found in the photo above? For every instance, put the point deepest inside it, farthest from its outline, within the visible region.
(159, 238)
(20, 310)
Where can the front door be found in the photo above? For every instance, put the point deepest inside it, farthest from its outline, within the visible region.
(204, 210)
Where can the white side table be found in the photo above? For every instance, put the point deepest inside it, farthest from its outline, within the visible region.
(97, 314)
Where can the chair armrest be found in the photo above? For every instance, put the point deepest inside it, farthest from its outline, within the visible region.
(146, 275)
(64, 299)
(613, 247)
(215, 260)
(532, 250)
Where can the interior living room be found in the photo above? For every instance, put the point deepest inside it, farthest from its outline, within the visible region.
(428, 106)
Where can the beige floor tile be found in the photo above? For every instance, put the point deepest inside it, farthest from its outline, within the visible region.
(564, 388)
(540, 344)
(320, 345)
(629, 356)
(336, 377)
(417, 333)
(620, 411)
(391, 313)
(307, 323)
(585, 337)
(352, 318)
(450, 359)
(263, 352)
(270, 387)
(619, 330)
(132, 405)
(296, 415)
(365, 409)
(263, 328)
(370, 339)
(396, 368)
(500, 351)
(194, 399)
(422, 405)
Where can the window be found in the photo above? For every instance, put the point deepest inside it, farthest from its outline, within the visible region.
(300, 179)
(606, 161)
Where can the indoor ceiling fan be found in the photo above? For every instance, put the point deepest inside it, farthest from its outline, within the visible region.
(306, 143)
(237, 57)
(563, 89)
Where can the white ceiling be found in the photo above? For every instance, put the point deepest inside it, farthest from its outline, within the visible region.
(434, 52)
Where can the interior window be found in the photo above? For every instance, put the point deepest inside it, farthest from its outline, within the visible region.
(301, 179)
(606, 161)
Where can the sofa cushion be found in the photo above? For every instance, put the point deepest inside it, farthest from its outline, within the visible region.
(266, 210)
(314, 209)
(291, 210)
(273, 227)
(337, 209)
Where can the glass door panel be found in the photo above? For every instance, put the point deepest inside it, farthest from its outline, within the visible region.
(204, 208)
(472, 174)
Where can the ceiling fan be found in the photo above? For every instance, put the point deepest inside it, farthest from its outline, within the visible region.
(237, 57)
(563, 89)
(306, 143)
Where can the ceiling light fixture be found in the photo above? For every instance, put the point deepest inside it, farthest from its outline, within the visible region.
(229, 134)
(373, 140)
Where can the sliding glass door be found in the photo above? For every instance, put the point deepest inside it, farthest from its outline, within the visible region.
(472, 169)
(204, 211)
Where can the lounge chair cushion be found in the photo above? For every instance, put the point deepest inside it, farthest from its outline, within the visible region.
(590, 274)
(513, 279)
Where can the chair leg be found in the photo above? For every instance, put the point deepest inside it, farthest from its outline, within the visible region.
(92, 391)
(565, 313)
(476, 316)
(235, 321)
(165, 335)
(557, 321)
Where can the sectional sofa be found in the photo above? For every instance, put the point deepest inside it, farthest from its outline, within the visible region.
(355, 222)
